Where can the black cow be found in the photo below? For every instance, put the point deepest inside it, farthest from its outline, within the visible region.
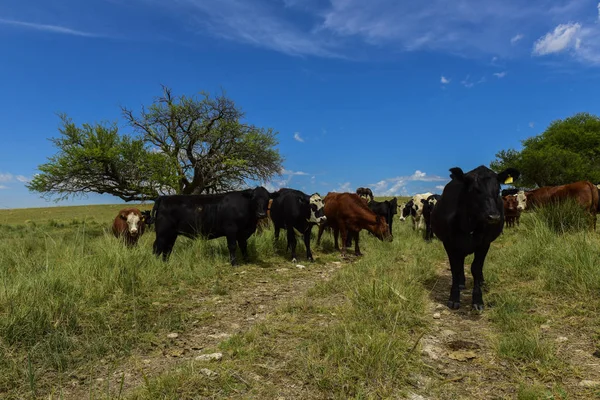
(428, 206)
(294, 209)
(147, 217)
(387, 209)
(467, 218)
(233, 215)
(509, 192)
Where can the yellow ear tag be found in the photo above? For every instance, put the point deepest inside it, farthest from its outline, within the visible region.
(508, 180)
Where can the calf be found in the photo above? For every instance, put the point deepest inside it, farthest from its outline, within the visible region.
(512, 213)
(347, 214)
(468, 217)
(428, 206)
(365, 193)
(233, 215)
(294, 210)
(129, 225)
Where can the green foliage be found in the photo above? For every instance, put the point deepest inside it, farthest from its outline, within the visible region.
(181, 145)
(567, 151)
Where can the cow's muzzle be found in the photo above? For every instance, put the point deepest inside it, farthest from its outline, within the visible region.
(493, 218)
(260, 214)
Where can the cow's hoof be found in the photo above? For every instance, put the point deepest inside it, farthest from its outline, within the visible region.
(462, 287)
(478, 307)
(453, 305)
(358, 254)
(311, 259)
(294, 260)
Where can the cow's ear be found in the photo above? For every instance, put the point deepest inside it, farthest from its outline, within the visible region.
(423, 201)
(274, 195)
(457, 173)
(509, 175)
(123, 216)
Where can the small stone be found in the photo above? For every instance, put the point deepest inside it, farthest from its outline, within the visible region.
(209, 357)
(99, 379)
(300, 266)
(562, 339)
(414, 396)
(462, 355)
(544, 327)
(447, 332)
(146, 361)
(173, 335)
(440, 306)
(430, 352)
(437, 315)
(336, 263)
(589, 384)
(208, 372)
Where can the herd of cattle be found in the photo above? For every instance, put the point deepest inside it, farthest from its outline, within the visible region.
(467, 217)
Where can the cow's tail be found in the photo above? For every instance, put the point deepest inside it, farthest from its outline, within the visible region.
(155, 209)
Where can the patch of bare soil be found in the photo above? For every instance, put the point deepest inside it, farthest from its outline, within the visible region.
(252, 294)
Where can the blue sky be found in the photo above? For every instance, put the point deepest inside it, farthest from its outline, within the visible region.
(387, 94)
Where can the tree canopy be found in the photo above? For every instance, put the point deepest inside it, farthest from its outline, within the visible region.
(179, 144)
(567, 151)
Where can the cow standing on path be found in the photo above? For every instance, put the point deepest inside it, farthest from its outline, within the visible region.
(233, 215)
(348, 214)
(295, 210)
(129, 225)
(468, 217)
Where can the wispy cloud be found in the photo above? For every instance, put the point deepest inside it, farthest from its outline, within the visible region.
(298, 138)
(500, 75)
(344, 187)
(440, 187)
(6, 177)
(563, 37)
(292, 173)
(444, 80)
(469, 83)
(531, 125)
(398, 185)
(516, 38)
(47, 28)
(3, 187)
(286, 176)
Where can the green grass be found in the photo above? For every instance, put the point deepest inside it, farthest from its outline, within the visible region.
(73, 299)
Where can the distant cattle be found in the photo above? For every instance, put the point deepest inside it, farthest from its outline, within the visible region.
(365, 193)
(583, 192)
(233, 215)
(129, 225)
(347, 214)
(417, 210)
(428, 206)
(386, 209)
(295, 210)
(509, 192)
(512, 213)
(264, 223)
(468, 217)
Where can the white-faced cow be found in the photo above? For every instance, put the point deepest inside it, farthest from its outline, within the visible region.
(295, 210)
(467, 218)
(417, 210)
(129, 225)
(233, 215)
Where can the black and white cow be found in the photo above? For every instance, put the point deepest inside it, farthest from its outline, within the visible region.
(468, 217)
(417, 210)
(295, 210)
(387, 209)
(428, 206)
(407, 210)
(233, 215)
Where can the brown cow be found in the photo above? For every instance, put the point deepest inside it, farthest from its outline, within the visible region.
(129, 225)
(365, 193)
(512, 213)
(347, 214)
(583, 192)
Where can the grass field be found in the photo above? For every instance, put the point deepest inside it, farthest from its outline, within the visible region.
(81, 316)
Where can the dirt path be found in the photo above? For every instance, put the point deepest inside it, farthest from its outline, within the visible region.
(253, 293)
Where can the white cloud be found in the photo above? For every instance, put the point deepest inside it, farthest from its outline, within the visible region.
(46, 28)
(6, 177)
(500, 75)
(598, 11)
(444, 80)
(563, 37)
(440, 187)
(531, 124)
(22, 179)
(3, 187)
(290, 173)
(516, 38)
(344, 187)
(298, 138)
(398, 185)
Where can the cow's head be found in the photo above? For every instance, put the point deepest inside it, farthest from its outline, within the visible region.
(510, 202)
(382, 229)
(482, 192)
(407, 210)
(260, 200)
(521, 200)
(317, 209)
(134, 221)
(393, 206)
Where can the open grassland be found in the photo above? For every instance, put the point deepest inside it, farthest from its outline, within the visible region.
(81, 316)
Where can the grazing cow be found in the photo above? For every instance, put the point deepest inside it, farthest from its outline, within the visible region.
(583, 192)
(386, 209)
(417, 210)
(365, 193)
(512, 213)
(428, 206)
(467, 219)
(295, 210)
(129, 225)
(233, 215)
(347, 214)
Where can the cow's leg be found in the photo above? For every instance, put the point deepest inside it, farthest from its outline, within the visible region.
(336, 234)
(348, 241)
(321, 229)
(243, 243)
(276, 234)
(164, 245)
(457, 266)
(477, 272)
(356, 248)
(291, 242)
(232, 245)
(309, 255)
